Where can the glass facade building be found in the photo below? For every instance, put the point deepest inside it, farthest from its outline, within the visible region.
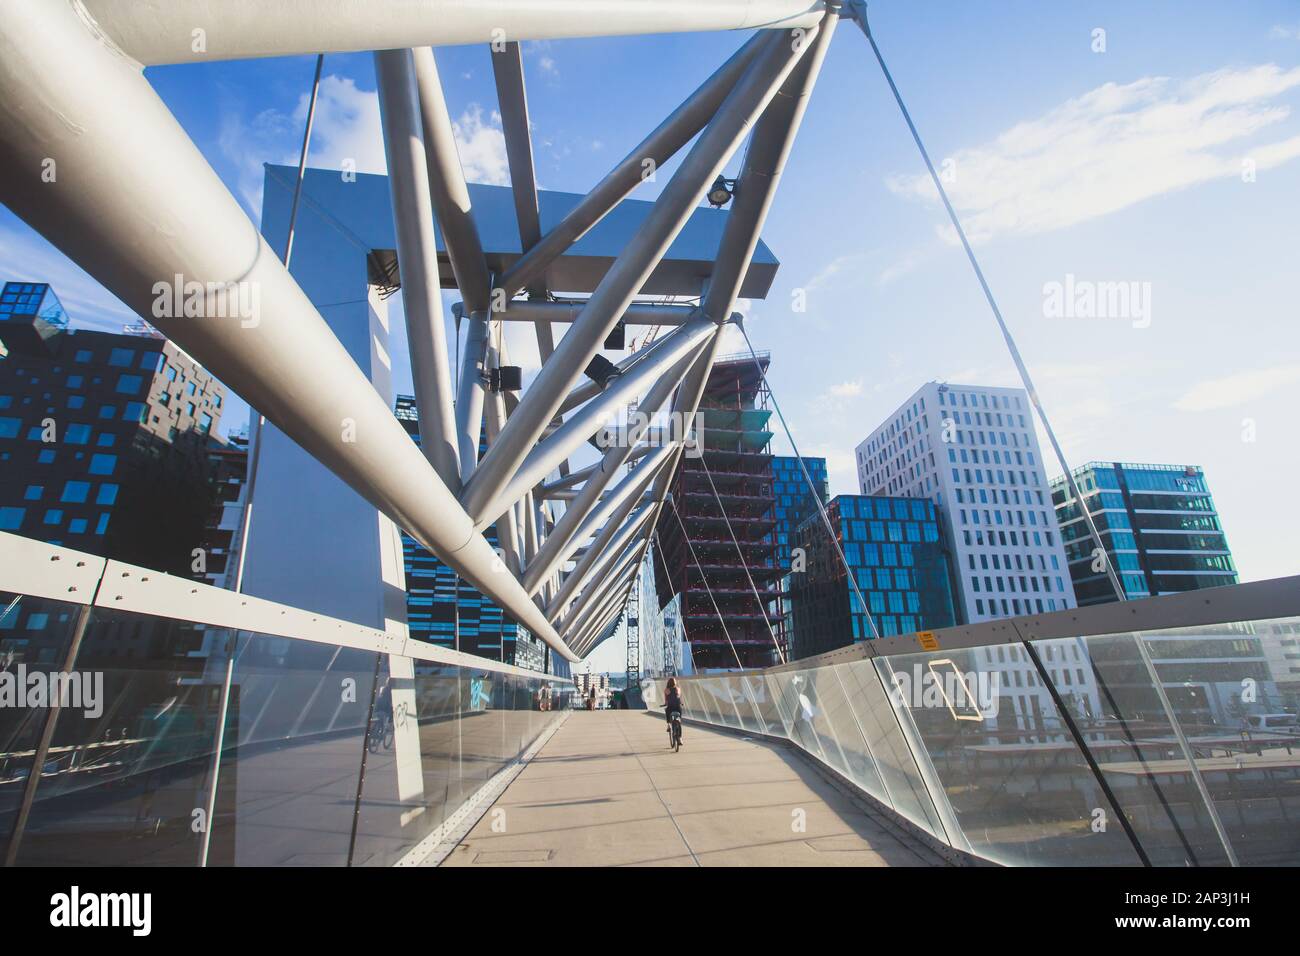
(1158, 525)
(895, 550)
(794, 505)
(972, 450)
(445, 610)
(104, 438)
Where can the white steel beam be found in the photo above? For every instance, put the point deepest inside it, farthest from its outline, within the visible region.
(447, 187)
(652, 152)
(417, 257)
(200, 31)
(136, 218)
(588, 420)
(628, 273)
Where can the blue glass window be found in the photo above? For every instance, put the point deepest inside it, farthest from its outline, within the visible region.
(76, 492)
(107, 495)
(128, 384)
(123, 358)
(11, 519)
(77, 434)
(102, 464)
(33, 492)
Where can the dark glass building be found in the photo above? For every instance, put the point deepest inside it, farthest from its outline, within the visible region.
(443, 609)
(104, 437)
(896, 551)
(1158, 524)
(794, 505)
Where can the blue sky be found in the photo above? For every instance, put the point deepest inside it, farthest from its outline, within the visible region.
(1115, 166)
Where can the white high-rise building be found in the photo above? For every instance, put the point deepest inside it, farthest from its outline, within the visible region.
(972, 450)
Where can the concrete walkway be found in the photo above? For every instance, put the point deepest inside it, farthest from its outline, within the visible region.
(606, 790)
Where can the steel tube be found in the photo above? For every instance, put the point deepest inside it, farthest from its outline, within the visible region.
(572, 585)
(417, 257)
(638, 313)
(156, 33)
(447, 189)
(629, 272)
(587, 421)
(760, 172)
(134, 219)
(610, 465)
(471, 392)
(661, 145)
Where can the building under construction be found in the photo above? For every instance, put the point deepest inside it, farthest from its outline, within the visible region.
(725, 568)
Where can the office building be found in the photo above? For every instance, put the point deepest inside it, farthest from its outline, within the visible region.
(728, 585)
(895, 551)
(1158, 525)
(795, 503)
(972, 451)
(444, 609)
(103, 437)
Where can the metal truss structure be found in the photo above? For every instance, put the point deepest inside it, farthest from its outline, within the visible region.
(136, 204)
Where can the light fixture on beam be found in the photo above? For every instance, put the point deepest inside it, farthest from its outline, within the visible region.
(721, 191)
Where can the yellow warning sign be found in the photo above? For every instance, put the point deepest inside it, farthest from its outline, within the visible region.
(928, 640)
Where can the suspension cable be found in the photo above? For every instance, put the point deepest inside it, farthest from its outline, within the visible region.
(997, 315)
(859, 9)
(255, 442)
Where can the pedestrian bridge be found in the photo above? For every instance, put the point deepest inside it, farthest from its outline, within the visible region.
(605, 790)
(151, 720)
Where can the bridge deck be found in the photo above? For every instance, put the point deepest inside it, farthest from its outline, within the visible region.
(606, 790)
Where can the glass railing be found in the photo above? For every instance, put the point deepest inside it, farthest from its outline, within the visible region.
(194, 725)
(1120, 735)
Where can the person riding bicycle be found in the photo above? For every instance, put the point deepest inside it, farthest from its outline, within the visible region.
(672, 702)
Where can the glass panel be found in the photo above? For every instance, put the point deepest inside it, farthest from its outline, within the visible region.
(833, 722)
(1233, 690)
(755, 692)
(126, 780)
(34, 639)
(781, 725)
(797, 701)
(859, 759)
(291, 768)
(900, 776)
(1019, 788)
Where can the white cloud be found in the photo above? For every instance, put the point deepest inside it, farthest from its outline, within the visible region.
(482, 147)
(1236, 389)
(1285, 33)
(347, 127)
(847, 389)
(1113, 147)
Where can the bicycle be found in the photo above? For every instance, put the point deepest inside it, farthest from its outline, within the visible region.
(675, 731)
(381, 734)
